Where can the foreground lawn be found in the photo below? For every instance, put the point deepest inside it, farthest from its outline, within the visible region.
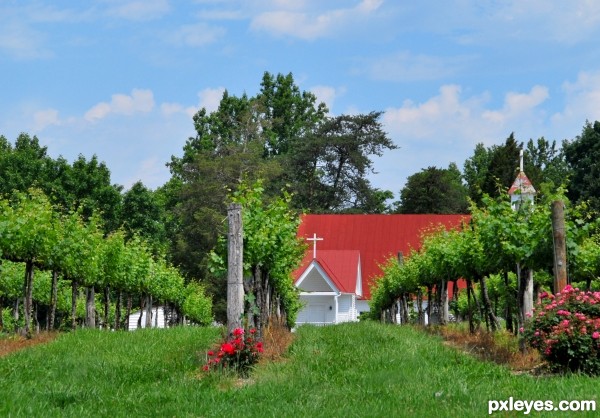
(351, 370)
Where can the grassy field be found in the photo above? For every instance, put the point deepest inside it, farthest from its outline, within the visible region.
(351, 370)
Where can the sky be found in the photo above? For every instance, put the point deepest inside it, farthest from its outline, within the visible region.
(121, 79)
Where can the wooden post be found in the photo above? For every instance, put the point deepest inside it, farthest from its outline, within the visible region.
(235, 268)
(560, 248)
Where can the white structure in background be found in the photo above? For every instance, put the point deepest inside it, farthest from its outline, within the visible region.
(331, 288)
(158, 319)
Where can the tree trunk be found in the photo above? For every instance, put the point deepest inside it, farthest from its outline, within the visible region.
(525, 298)
(235, 268)
(509, 297)
(404, 307)
(28, 293)
(128, 309)
(16, 315)
(142, 307)
(429, 303)
(118, 311)
(421, 319)
(106, 306)
(469, 310)
(90, 307)
(493, 321)
(36, 317)
(560, 247)
(148, 311)
(53, 298)
(394, 311)
(444, 317)
(73, 304)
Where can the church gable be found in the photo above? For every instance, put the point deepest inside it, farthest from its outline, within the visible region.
(315, 279)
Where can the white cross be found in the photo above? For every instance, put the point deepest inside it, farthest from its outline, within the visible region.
(314, 239)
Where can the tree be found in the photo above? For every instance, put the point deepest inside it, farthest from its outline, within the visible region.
(143, 214)
(271, 252)
(328, 168)
(290, 113)
(492, 171)
(93, 192)
(583, 159)
(434, 190)
(27, 235)
(545, 164)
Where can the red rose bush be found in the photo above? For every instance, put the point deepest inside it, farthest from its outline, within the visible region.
(238, 353)
(566, 330)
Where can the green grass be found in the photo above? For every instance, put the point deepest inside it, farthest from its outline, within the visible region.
(350, 370)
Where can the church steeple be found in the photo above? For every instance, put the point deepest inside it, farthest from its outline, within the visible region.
(522, 189)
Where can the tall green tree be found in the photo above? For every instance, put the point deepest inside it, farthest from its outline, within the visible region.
(328, 169)
(583, 159)
(434, 190)
(92, 191)
(143, 213)
(492, 171)
(290, 112)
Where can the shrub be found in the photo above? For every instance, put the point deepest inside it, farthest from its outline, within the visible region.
(239, 353)
(566, 330)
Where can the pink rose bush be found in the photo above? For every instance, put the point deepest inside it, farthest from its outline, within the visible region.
(566, 330)
(238, 353)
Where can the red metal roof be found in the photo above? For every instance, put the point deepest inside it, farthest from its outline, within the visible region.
(375, 237)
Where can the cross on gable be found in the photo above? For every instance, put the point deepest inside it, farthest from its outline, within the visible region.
(314, 239)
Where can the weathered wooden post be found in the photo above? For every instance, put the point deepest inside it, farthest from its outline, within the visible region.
(235, 268)
(560, 247)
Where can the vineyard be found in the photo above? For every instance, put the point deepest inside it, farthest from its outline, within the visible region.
(504, 256)
(56, 262)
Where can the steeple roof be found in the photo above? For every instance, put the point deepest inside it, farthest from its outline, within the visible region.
(522, 185)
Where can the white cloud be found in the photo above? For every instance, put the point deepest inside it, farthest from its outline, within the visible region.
(210, 98)
(44, 118)
(516, 105)
(196, 35)
(327, 94)
(140, 101)
(22, 42)
(582, 101)
(139, 9)
(304, 25)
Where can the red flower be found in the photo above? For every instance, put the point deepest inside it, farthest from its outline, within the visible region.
(259, 347)
(252, 331)
(211, 353)
(238, 331)
(227, 348)
(205, 367)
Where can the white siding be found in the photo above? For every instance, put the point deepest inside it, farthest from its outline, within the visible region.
(346, 308)
(318, 310)
(158, 321)
(314, 282)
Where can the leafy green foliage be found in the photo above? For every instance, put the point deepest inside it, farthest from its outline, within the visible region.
(196, 305)
(434, 190)
(583, 158)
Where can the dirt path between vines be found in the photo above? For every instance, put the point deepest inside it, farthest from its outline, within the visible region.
(13, 343)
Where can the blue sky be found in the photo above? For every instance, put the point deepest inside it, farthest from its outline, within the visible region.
(122, 78)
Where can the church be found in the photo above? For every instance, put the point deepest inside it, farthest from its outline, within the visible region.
(344, 255)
